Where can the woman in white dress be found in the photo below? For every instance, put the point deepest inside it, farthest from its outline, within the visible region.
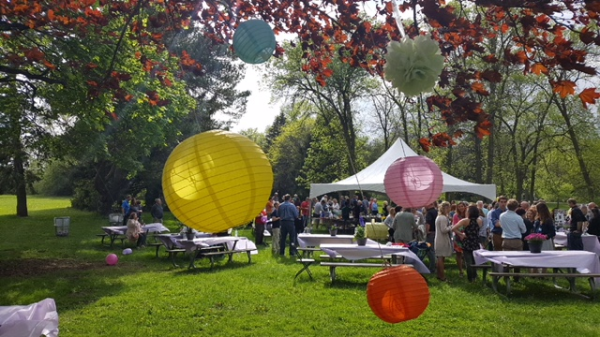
(335, 209)
(443, 241)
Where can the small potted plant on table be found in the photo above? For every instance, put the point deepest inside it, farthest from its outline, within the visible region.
(333, 230)
(359, 236)
(535, 242)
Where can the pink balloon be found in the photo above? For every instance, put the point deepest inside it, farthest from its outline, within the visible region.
(112, 259)
(413, 181)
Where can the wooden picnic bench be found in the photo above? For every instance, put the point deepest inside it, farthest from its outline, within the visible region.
(484, 268)
(170, 248)
(308, 251)
(333, 265)
(571, 276)
(214, 252)
(112, 238)
(382, 257)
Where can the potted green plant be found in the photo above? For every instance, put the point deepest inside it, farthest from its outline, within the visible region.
(333, 230)
(360, 236)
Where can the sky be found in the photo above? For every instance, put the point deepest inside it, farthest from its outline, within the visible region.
(260, 113)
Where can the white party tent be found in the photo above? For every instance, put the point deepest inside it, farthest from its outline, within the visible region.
(371, 178)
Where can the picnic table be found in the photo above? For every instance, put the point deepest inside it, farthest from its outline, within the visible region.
(118, 232)
(219, 246)
(585, 263)
(346, 255)
(309, 243)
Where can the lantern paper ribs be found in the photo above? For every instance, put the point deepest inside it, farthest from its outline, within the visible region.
(398, 294)
(216, 180)
(413, 181)
(254, 41)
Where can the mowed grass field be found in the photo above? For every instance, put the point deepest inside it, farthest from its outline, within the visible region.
(146, 296)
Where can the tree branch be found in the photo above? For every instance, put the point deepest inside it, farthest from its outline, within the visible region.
(13, 71)
(121, 36)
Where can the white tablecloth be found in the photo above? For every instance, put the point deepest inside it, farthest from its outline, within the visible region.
(590, 242)
(242, 243)
(316, 240)
(151, 228)
(356, 252)
(37, 319)
(584, 262)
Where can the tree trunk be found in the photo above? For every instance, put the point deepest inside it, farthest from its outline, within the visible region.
(491, 150)
(478, 161)
(533, 170)
(20, 186)
(577, 148)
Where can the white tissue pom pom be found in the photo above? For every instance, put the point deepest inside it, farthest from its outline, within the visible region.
(413, 66)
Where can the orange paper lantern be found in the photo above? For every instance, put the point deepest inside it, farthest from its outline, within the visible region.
(398, 294)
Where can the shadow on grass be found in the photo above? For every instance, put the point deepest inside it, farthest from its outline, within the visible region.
(71, 283)
(347, 284)
(203, 266)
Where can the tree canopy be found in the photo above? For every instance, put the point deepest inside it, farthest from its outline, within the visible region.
(38, 38)
(106, 68)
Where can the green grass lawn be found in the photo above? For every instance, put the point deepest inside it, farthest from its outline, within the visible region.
(145, 296)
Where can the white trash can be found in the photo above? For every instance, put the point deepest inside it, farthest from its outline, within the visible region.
(61, 226)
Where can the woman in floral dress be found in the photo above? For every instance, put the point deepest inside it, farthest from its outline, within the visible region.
(470, 238)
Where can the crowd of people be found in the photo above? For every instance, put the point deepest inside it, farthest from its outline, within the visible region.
(449, 228)
(460, 228)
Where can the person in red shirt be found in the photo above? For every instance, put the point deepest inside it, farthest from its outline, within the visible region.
(305, 209)
(259, 228)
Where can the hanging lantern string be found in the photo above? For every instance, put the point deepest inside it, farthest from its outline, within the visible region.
(398, 19)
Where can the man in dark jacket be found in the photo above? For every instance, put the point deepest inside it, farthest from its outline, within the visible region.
(574, 241)
(157, 211)
(430, 217)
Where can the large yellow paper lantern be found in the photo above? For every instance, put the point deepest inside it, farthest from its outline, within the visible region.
(217, 180)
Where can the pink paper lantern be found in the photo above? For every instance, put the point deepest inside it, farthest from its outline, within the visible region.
(112, 259)
(413, 181)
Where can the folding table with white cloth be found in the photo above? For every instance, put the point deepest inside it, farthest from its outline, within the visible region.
(586, 263)
(316, 240)
(354, 252)
(309, 243)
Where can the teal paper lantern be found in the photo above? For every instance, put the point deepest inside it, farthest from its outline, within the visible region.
(254, 41)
